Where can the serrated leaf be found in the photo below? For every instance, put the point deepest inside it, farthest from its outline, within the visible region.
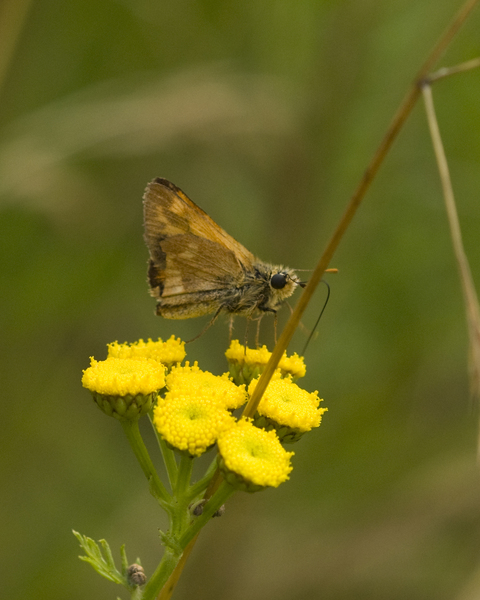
(104, 566)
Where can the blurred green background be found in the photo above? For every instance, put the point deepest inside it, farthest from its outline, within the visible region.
(265, 114)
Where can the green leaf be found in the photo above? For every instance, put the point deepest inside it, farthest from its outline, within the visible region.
(102, 561)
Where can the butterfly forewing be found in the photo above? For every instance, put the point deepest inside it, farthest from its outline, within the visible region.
(190, 255)
(169, 211)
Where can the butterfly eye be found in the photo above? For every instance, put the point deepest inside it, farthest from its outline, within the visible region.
(278, 281)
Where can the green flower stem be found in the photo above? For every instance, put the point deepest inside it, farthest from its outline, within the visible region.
(168, 455)
(187, 540)
(200, 486)
(161, 574)
(136, 442)
(214, 503)
(137, 594)
(169, 459)
(184, 475)
(181, 515)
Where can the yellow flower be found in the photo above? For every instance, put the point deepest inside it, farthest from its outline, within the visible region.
(248, 364)
(190, 419)
(287, 408)
(218, 388)
(122, 376)
(292, 365)
(251, 458)
(124, 388)
(168, 353)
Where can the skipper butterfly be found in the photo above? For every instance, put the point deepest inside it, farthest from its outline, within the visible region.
(196, 268)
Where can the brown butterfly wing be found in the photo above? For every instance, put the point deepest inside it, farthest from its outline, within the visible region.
(193, 261)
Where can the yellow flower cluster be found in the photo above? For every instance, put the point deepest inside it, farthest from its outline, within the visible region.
(194, 410)
(168, 353)
(248, 363)
(252, 458)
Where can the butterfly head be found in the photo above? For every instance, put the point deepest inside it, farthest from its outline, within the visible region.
(280, 282)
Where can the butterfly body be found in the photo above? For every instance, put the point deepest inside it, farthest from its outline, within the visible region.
(196, 268)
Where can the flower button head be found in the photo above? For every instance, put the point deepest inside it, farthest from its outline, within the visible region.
(251, 459)
(124, 388)
(246, 364)
(287, 408)
(169, 353)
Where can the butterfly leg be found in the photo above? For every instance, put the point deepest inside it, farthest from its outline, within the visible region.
(230, 328)
(207, 326)
(257, 337)
(245, 341)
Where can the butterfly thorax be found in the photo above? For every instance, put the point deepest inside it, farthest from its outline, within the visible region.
(256, 294)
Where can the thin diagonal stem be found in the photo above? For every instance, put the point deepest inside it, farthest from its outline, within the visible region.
(461, 68)
(468, 286)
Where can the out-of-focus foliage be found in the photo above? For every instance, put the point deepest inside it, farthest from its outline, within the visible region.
(266, 114)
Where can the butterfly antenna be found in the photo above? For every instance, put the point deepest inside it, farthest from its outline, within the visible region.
(319, 317)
